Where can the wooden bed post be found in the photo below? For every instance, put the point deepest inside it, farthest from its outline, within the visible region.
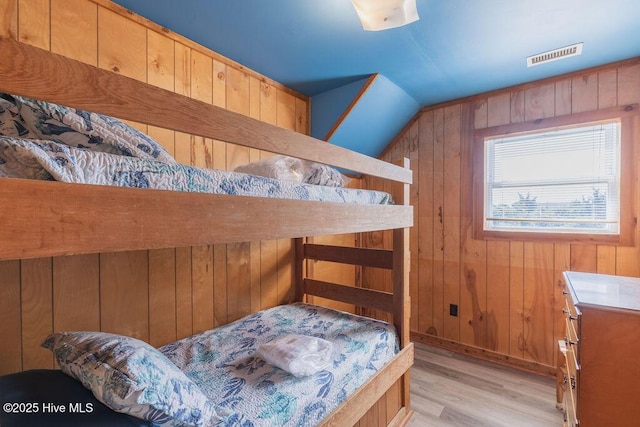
(401, 265)
(400, 278)
(298, 245)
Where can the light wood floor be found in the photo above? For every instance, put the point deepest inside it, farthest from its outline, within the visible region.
(450, 389)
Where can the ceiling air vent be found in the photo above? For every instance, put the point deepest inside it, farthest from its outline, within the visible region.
(552, 55)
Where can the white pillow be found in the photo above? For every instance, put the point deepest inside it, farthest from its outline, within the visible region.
(300, 355)
(292, 169)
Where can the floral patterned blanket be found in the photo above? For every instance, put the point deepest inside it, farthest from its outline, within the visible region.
(224, 364)
(41, 140)
(42, 159)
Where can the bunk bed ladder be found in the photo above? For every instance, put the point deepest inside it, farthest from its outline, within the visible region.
(397, 302)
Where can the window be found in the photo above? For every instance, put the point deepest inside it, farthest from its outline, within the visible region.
(567, 177)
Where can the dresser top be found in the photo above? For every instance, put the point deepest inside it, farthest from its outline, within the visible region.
(616, 292)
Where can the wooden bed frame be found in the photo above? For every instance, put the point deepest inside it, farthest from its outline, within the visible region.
(45, 220)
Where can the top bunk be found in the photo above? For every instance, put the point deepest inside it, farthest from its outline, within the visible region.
(53, 218)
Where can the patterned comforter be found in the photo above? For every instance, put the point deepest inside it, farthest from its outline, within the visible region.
(41, 159)
(41, 140)
(223, 363)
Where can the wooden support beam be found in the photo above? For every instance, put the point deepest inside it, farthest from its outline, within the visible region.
(365, 257)
(358, 296)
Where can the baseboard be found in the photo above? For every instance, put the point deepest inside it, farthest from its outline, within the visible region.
(481, 353)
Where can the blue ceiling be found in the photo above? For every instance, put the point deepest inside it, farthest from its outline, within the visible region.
(457, 48)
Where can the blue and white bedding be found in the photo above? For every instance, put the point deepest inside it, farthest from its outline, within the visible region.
(40, 140)
(224, 364)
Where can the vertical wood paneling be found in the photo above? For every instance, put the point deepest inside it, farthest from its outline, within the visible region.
(498, 297)
(238, 280)
(516, 299)
(539, 102)
(538, 297)
(452, 219)
(607, 88)
(162, 296)
(509, 291)
(202, 288)
(10, 318)
(33, 23)
(440, 305)
(182, 85)
(161, 64)
(424, 297)
(563, 97)
(474, 317)
(184, 292)
(124, 293)
(37, 312)
(201, 89)
(114, 32)
(9, 19)
(584, 93)
(76, 293)
(80, 40)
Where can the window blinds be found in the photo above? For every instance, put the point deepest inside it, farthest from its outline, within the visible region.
(556, 180)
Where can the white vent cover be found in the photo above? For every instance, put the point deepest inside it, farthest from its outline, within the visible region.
(553, 55)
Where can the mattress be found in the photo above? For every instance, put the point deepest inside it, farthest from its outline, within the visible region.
(224, 364)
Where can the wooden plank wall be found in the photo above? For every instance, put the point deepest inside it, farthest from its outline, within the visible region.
(508, 292)
(160, 295)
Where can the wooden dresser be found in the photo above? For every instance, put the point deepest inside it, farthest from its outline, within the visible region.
(601, 368)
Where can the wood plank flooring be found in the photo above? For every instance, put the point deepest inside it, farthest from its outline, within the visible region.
(451, 389)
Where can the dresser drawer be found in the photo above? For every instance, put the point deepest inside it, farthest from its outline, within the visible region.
(570, 384)
(571, 338)
(569, 308)
(572, 327)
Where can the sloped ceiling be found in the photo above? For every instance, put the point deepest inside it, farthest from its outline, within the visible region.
(457, 48)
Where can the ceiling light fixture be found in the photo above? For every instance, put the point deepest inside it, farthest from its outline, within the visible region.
(377, 15)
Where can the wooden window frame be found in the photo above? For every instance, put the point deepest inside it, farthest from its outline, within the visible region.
(630, 136)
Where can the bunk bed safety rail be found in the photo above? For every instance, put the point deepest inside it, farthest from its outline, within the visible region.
(43, 75)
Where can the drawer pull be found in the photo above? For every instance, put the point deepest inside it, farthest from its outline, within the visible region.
(564, 292)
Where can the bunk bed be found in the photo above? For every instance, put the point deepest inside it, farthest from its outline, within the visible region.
(56, 219)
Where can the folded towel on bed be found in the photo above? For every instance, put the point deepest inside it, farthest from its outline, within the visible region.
(300, 355)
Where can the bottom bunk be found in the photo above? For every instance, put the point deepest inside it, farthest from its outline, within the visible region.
(217, 377)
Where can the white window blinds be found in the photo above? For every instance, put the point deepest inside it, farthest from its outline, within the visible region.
(561, 180)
